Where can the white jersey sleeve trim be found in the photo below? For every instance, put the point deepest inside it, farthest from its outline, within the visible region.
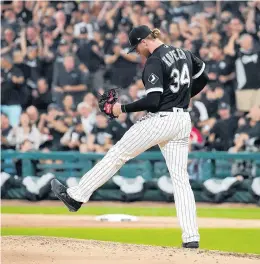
(197, 75)
(156, 89)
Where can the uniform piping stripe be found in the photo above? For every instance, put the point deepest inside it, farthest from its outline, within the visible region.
(197, 75)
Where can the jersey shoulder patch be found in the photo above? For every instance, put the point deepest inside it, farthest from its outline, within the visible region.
(153, 78)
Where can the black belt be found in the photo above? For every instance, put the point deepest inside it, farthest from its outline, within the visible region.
(175, 109)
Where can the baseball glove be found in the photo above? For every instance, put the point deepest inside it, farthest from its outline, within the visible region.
(106, 102)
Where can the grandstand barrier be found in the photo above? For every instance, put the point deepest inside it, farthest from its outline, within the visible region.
(148, 172)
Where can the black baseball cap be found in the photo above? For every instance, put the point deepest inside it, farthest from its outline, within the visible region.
(136, 35)
(223, 105)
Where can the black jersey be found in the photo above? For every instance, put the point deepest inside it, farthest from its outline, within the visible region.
(171, 71)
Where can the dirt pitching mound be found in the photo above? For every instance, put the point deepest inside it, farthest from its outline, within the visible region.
(43, 250)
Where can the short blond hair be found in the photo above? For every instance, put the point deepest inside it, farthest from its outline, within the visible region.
(156, 34)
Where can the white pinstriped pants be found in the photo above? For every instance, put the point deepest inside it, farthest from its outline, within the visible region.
(171, 131)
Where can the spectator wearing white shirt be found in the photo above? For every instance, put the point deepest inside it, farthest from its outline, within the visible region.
(87, 115)
(84, 29)
(25, 131)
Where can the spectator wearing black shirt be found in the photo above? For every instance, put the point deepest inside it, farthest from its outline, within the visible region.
(49, 50)
(8, 43)
(61, 24)
(23, 15)
(222, 134)
(70, 80)
(74, 137)
(91, 53)
(249, 128)
(64, 49)
(123, 66)
(29, 38)
(41, 97)
(10, 20)
(254, 17)
(247, 57)
(221, 72)
(96, 141)
(53, 124)
(220, 67)
(210, 96)
(12, 90)
(116, 129)
(5, 130)
(32, 67)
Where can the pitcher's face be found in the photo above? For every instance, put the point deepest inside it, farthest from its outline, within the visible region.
(142, 49)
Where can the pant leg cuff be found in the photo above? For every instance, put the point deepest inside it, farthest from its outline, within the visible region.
(73, 194)
(191, 239)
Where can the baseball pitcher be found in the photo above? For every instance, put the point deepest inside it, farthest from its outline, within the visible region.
(171, 76)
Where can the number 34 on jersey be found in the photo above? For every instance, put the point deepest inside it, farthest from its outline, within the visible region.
(180, 78)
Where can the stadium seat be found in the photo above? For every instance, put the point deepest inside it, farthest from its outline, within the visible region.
(132, 170)
(160, 169)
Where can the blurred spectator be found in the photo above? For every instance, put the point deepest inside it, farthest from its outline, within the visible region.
(196, 139)
(61, 24)
(10, 20)
(8, 43)
(248, 128)
(12, 91)
(64, 48)
(53, 124)
(116, 129)
(222, 134)
(41, 97)
(32, 67)
(221, 69)
(132, 94)
(74, 137)
(84, 29)
(92, 100)
(211, 96)
(29, 38)
(96, 141)
(33, 115)
(70, 80)
(91, 53)
(25, 131)
(247, 60)
(23, 15)
(48, 56)
(5, 130)
(87, 116)
(68, 106)
(123, 66)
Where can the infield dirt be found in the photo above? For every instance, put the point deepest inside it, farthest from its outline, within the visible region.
(43, 250)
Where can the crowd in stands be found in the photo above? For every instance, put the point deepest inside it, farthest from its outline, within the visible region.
(57, 56)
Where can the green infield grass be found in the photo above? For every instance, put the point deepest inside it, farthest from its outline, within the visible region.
(236, 213)
(231, 240)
